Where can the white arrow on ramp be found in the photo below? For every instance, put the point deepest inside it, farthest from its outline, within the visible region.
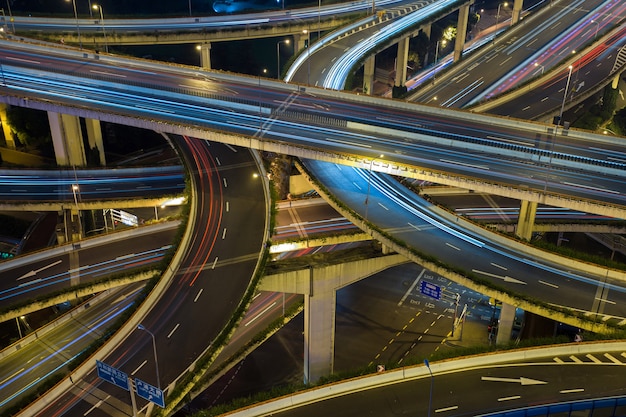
(505, 278)
(36, 271)
(521, 380)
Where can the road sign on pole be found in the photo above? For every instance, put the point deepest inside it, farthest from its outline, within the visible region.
(149, 392)
(113, 375)
(430, 289)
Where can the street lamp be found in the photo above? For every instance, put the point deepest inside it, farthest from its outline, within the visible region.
(443, 42)
(75, 190)
(569, 76)
(156, 361)
(308, 56)
(498, 17)
(430, 397)
(539, 65)
(263, 71)
(104, 32)
(597, 27)
(189, 8)
(286, 42)
(80, 42)
(369, 182)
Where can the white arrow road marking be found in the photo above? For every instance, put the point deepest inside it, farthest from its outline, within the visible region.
(36, 271)
(506, 278)
(521, 380)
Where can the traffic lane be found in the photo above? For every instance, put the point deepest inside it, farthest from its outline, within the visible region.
(36, 361)
(306, 219)
(81, 266)
(501, 266)
(215, 274)
(288, 132)
(467, 393)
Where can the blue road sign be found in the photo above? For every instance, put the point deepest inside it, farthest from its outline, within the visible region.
(150, 392)
(113, 375)
(430, 289)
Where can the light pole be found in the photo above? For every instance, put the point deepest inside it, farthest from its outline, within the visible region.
(597, 27)
(430, 397)
(539, 65)
(104, 32)
(189, 8)
(263, 71)
(443, 42)
(369, 182)
(156, 361)
(319, 19)
(308, 56)
(75, 189)
(498, 17)
(286, 42)
(80, 42)
(11, 16)
(569, 76)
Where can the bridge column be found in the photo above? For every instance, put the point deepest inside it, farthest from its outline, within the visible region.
(6, 129)
(401, 61)
(526, 220)
(94, 137)
(67, 139)
(614, 83)
(300, 41)
(369, 70)
(461, 32)
(505, 326)
(319, 328)
(205, 55)
(517, 11)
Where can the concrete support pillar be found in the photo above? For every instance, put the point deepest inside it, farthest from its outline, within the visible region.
(94, 137)
(461, 31)
(517, 11)
(205, 55)
(526, 220)
(299, 41)
(369, 70)
(401, 61)
(67, 139)
(6, 129)
(505, 326)
(319, 332)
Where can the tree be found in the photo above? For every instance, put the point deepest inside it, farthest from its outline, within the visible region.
(31, 126)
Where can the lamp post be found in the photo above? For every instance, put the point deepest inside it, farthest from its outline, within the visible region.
(76, 189)
(569, 76)
(539, 65)
(443, 42)
(11, 16)
(498, 17)
(104, 32)
(430, 397)
(263, 71)
(80, 42)
(189, 8)
(286, 42)
(308, 56)
(597, 27)
(319, 18)
(369, 182)
(156, 361)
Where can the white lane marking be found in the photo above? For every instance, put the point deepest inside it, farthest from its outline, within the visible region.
(198, 295)
(108, 73)
(22, 60)
(217, 160)
(225, 184)
(464, 164)
(9, 377)
(410, 290)
(98, 404)
(512, 397)
(414, 227)
(356, 185)
(36, 271)
(260, 314)
(224, 234)
(214, 263)
(549, 284)
(504, 268)
(173, 330)
(504, 278)
(441, 410)
(605, 300)
(452, 246)
(139, 367)
(227, 206)
(521, 380)
(568, 391)
(604, 190)
(231, 148)
(383, 206)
